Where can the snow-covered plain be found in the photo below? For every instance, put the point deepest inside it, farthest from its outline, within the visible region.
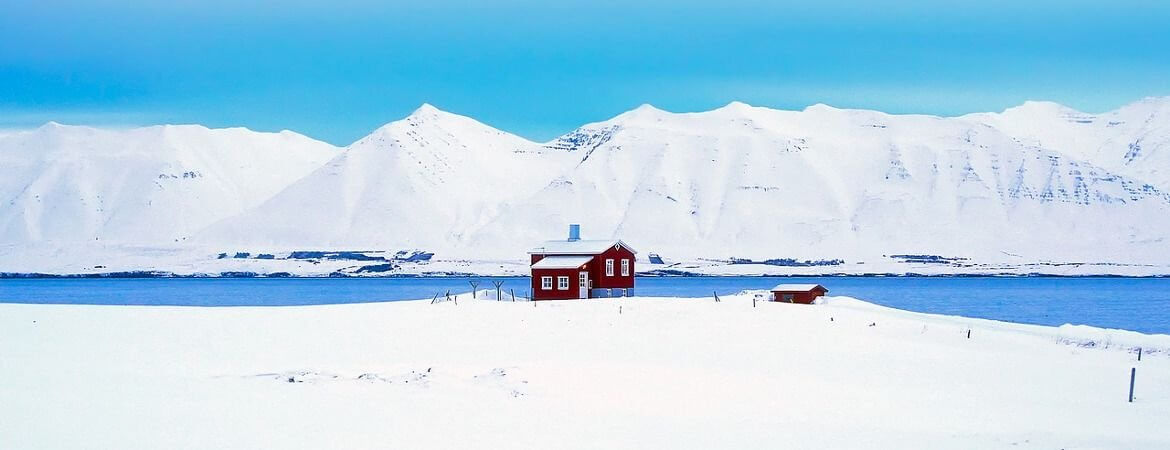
(628, 373)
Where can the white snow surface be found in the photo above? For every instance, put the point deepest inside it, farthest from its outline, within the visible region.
(795, 287)
(1133, 140)
(427, 181)
(1035, 184)
(562, 262)
(630, 373)
(64, 185)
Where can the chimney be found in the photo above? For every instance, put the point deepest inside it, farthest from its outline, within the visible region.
(574, 232)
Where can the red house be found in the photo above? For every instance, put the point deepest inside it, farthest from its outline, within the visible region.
(575, 268)
(797, 293)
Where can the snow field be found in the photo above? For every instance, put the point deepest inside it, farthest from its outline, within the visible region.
(628, 373)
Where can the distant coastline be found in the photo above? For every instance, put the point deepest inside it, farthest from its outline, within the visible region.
(654, 274)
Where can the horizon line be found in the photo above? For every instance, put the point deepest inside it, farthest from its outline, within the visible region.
(427, 106)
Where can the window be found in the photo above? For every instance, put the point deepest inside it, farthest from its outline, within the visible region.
(563, 283)
(609, 267)
(625, 267)
(546, 283)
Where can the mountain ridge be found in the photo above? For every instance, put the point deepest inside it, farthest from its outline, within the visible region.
(159, 183)
(1039, 180)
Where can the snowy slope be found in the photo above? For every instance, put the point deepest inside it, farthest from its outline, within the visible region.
(1032, 184)
(634, 373)
(826, 182)
(65, 185)
(1133, 140)
(737, 181)
(425, 181)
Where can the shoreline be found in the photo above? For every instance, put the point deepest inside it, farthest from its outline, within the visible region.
(486, 295)
(284, 275)
(743, 296)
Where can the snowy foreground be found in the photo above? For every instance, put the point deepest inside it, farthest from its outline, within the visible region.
(630, 373)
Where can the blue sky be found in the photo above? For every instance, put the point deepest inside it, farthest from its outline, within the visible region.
(336, 70)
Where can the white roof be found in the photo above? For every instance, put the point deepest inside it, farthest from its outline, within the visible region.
(797, 287)
(561, 262)
(582, 247)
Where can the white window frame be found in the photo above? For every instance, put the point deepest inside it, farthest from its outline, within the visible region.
(609, 267)
(625, 267)
(562, 283)
(546, 283)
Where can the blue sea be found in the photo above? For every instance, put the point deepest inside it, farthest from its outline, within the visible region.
(1139, 304)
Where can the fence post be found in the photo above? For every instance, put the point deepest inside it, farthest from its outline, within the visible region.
(1139, 353)
(498, 284)
(968, 333)
(474, 286)
(513, 292)
(753, 301)
(1132, 376)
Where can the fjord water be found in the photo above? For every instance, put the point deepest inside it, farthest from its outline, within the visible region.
(1138, 304)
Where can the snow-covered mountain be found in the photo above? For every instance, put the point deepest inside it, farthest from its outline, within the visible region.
(426, 181)
(1037, 182)
(1133, 140)
(156, 185)
(827, 182)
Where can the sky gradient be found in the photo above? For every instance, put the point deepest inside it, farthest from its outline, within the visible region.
(337, 70)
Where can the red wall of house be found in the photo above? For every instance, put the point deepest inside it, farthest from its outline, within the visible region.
(554, 293)
(597, 277)
(798, 297)
(617, 281)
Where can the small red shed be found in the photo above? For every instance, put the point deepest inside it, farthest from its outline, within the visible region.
(575, 268)
(797, 293)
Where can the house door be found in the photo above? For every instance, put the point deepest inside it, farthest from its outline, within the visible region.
(583, 285)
